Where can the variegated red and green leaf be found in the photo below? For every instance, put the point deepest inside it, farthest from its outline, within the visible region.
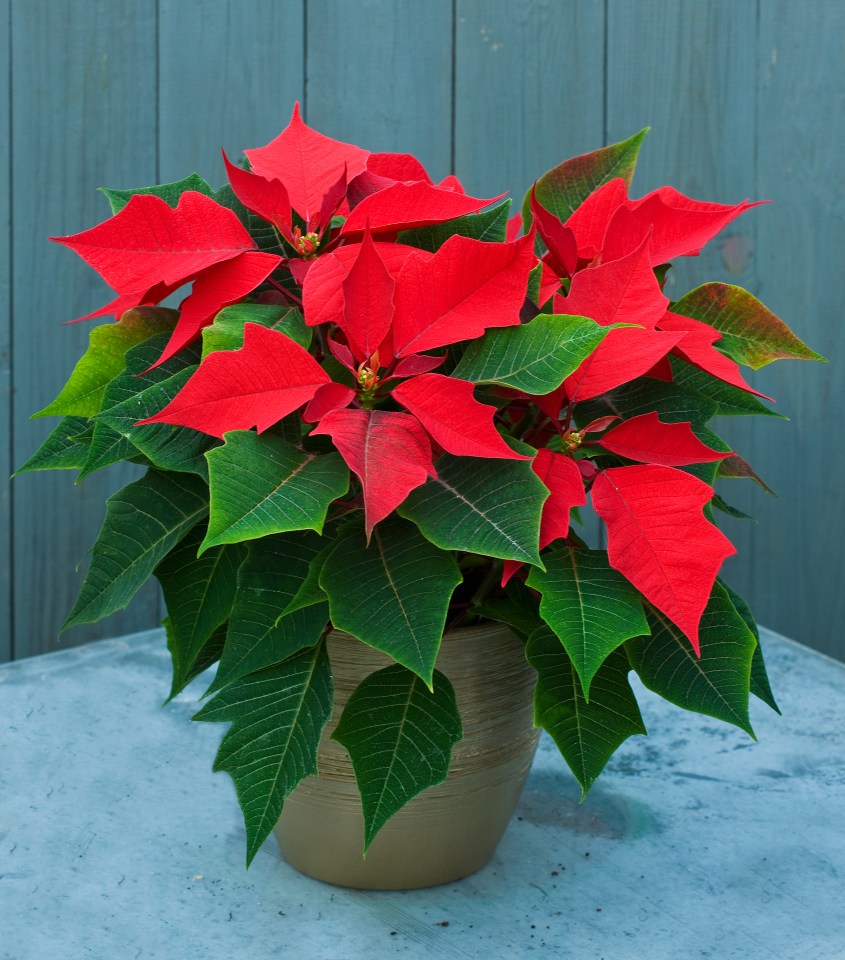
(751, 333)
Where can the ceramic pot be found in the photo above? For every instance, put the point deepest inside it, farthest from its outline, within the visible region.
(448, 831)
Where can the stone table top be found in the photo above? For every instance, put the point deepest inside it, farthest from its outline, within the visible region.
(118, 843)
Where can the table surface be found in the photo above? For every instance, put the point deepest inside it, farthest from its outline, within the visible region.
(117, 841)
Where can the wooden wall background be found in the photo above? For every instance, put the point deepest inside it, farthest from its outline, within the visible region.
(746, 98)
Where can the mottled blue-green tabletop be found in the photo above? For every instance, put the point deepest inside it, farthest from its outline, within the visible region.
(118, 843)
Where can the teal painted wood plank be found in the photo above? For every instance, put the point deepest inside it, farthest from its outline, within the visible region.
(529, 89)
(83, 116)
(529, 93)
(5, 343)
(230, 73)
(792, 573)
(379, 74)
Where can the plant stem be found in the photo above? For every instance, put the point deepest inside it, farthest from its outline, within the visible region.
(285, 292)
(488, 581)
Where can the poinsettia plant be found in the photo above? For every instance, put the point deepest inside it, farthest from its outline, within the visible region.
(379, 409)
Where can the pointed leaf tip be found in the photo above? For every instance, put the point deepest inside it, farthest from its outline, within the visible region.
(380, 727)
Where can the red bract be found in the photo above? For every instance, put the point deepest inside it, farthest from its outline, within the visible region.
(454, 418)
(149, 243)
(322, 291)
(368, 301)
(214, 288)
(268, 378)
(561, 476)
(266, 198)
(149, 249)
(566, 490)
(622, 356)
(389, 452)
(402, 206)
(610, 224)
(562, 247)
(467, 287)
(620, 291)
(589, 221)
(397, 166)
(308, 163)
(658, 537)
(648, 439)
(679, 226)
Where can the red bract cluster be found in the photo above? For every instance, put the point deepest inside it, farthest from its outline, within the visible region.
(389, 311)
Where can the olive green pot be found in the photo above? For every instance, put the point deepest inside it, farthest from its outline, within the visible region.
(448, 831)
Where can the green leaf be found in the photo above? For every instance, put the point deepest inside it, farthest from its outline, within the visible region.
(169, 192)
(591, 607)
(206, 656)
(310, 592)
(107, 447)
(587, 734)
(262, 232)
(535, 357)
(400, 736)
(140, 359)
(729, 400)
(565, 187)
(262, 485)
(271, 575)
(671, 402)
(144, 522)
(720, 504)
(717, 684)
(227, 331)
(491, 507)
(518, 608)
(199, 593)
(104, 359)
(139, 392)
(534, 279)
(490, 225)
(760, 686)
(393, 594)
(277, 716)
(707, 471)
(167, 447)
(62, 450)
(751, 333)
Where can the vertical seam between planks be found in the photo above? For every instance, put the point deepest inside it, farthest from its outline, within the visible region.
(605, 81)
(10, 305)
(605, 113)
(160, 611)
(157, 92)
(305, 60)
(752, 535)
(756, 123)
(454, 97)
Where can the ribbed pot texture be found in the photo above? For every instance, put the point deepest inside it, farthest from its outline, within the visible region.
(448, 831)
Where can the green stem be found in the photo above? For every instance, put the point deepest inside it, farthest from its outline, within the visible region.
(488, 581)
